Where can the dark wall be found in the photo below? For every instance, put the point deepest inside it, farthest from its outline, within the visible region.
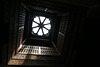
(1, 28)
(1, 16)
(86, 45)
(4, 28)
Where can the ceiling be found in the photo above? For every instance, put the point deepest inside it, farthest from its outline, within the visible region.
(86, 3)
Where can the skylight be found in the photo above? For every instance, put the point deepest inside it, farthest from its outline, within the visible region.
(41, 25)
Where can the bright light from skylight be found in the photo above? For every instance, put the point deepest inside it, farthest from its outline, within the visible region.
(34, 24)
(40, 32)
(36, 19)
(47, 21)
(41, 25)
(42, 18)
(35, 29)
(47, 26)
(45, 31)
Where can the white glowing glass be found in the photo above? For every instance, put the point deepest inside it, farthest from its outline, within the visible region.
(42, 18)
(34, 24)
(36, 19)
(45, 31)
(46, 21)
(48, 26)
(40, 32)
(35, 29)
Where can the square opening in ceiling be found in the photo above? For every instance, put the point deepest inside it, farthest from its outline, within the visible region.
(43, 29)
(41, 26)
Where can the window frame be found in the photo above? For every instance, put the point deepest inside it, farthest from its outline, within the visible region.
(45, 14)
(38, 25)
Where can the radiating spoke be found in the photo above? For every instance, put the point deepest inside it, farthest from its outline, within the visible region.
(35, 27)
(35, 22)
(44, 20)
(46, 24)
(42, 31)
(45, 31)
(46, 28)
(38, 30)
(39, 20)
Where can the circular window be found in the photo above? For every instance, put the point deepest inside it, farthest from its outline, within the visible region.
(41, 25)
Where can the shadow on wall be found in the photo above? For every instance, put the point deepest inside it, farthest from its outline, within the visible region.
(4, 28)
(87, 44)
